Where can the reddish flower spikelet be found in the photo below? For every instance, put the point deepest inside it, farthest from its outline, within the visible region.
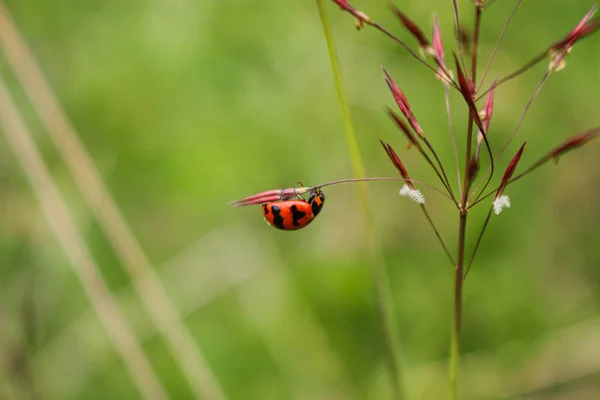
(559, 50)
(269, 195)
(488, 109)
(438, 50)
(414, 30)
(361, 17)
(574, 142)
(344, 5)
(402, 102)
(510, 170)
(583, 28)
(486, 113)
(397, 163)
(438, 44)
(467, 89)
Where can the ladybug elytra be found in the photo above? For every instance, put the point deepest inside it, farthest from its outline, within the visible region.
(291, 215)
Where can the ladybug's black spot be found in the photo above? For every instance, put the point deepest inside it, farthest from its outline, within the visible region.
(265, 210)
(316, 203)
(277, 219)
(296, 215)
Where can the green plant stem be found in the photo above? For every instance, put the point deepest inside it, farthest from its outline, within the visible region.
(458, 286)
(355, 156)
(462, 233)
(381, 279)
(485, 224)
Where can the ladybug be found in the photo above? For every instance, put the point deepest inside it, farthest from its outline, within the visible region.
(291, 215)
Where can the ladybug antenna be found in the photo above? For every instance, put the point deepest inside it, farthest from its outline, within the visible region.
(296, 190)
(356, 180)
(394, 178)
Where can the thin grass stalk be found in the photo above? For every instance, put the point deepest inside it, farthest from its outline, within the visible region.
(454, 364)
(143, 277)
(514, 132)
(475, 43)
(524, 113)
(71, 239)
(535, 166)
(362, 19)
(483, 228)
(453, 138)
(530, 64)
(384, 178)
(438, 171)
(467, 180)
(413, 141)
(445, 180)
(444, 76)
(551, 155)
(497, 47)
(457, 33)
(382, 282)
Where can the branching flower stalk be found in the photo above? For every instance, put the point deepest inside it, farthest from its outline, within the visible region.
(470, 187)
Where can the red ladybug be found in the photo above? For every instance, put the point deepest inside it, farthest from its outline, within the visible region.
(291, 215)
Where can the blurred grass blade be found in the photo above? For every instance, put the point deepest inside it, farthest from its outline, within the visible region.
(143, 277)
(68, 235)
(382, 283)
(356, 158)
(285, 323)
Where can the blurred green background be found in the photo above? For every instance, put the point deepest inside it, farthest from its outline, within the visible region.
(185, 105)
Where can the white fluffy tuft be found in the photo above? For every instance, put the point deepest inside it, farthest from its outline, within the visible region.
(500, 203)
(413, 194)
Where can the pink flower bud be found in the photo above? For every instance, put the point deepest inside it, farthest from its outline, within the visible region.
(486, 114)
(438, 44)
(402, 102)
(574, 142)
(510, 170)
(397, 163)
(559, 50)
(414, 30)
(467, 89)
(361, 17)
(438, 50)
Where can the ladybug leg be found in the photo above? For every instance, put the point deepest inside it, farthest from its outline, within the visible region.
(283, 196)
(297, 195)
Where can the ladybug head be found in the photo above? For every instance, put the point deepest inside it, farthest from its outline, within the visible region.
(316, 200)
